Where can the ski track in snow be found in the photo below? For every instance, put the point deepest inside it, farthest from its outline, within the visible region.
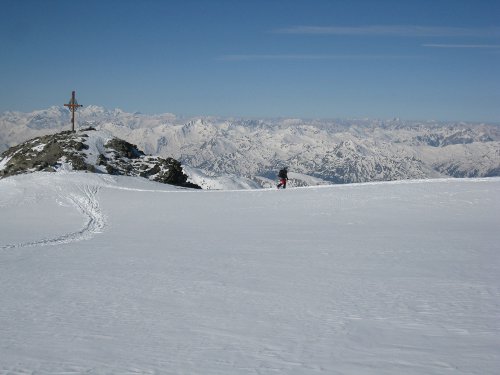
(351, 279)
(83, 198)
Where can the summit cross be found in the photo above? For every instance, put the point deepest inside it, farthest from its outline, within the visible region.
(73, 106)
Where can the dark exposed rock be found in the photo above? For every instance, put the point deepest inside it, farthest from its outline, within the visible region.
(172, 174)
(111, 170)
(101, 160)
(117, 157)
(124, 149)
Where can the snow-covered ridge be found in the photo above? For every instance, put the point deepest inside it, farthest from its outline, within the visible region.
(92, 151)
(318, 151)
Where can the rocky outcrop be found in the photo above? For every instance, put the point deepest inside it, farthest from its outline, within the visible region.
(92, 151)
(45, 154)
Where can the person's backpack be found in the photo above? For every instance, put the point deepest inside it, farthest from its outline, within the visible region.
(282, 173)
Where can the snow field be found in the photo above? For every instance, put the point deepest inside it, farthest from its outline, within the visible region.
(387, 278)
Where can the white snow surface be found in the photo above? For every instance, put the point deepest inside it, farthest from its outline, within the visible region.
(102, 274)
(221, 182)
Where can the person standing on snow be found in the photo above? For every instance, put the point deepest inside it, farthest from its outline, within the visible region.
(283, 176)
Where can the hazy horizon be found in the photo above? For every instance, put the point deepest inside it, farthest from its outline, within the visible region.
(261, 59)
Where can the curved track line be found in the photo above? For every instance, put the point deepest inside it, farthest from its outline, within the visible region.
(88, 205)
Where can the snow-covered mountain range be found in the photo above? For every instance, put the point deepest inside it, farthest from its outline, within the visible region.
(316, 151)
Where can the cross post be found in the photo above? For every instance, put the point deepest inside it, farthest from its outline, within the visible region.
(73, 106)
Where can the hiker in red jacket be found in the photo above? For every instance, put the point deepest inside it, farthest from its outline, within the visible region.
(283, 175)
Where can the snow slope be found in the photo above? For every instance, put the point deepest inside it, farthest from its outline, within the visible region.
(119, 275)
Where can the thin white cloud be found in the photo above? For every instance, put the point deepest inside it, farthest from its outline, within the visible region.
(271, 57)
(486, 46)
(310, 57)
(402, 30)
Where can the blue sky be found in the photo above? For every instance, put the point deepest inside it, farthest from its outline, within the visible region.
(425, 59)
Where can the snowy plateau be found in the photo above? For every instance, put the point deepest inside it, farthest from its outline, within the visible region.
(379, 258)
(103, 274)
(221, 153)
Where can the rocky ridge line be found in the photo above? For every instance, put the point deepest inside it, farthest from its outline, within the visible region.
(92, 151)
